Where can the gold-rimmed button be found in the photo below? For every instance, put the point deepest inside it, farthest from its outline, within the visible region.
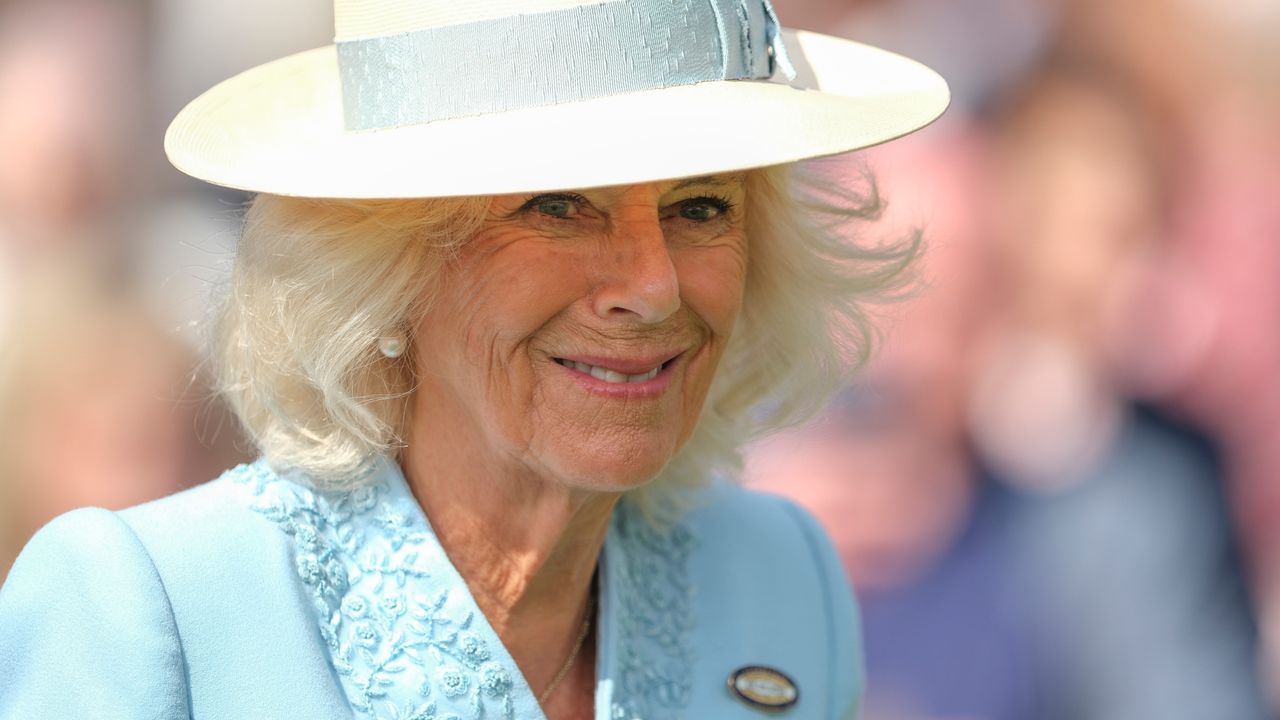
(764, 687)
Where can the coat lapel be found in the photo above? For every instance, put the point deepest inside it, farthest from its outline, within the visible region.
(647, 652)
(406, 638)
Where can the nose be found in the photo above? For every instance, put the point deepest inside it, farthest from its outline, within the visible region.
(637, 277)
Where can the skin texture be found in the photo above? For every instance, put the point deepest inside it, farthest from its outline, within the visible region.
(519, 460)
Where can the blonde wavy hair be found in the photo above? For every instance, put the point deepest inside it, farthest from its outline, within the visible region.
(316, 283)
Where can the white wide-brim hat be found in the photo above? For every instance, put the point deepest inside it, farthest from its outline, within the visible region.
(436, 98)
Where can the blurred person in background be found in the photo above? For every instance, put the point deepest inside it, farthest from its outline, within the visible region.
(91, 390)
(1203, 338)
(1217, 299)
(1118, 545)
(1124, 532)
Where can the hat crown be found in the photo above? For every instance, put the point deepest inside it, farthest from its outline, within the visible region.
(359, 19)
(409, 62)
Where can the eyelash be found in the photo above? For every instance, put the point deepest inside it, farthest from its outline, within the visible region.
(537, 200)
(722, 204)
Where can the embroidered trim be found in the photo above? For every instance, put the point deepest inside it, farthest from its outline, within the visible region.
(401, 653)
(656, 621)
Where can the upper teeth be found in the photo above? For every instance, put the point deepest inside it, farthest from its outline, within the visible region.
(608, 375)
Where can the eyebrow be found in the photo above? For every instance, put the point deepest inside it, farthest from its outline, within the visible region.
(714, 180)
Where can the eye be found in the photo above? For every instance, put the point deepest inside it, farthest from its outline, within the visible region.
(556, 205)
(703, 209)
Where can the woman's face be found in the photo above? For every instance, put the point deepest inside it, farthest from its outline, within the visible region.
(576, 335)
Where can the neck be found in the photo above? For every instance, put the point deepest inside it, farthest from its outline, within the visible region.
(527, 546)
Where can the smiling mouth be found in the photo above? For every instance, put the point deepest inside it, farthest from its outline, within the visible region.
(613, 376)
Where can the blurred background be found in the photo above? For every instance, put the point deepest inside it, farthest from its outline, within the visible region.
(1056, 489)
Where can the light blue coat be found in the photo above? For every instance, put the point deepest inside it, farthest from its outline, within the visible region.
(255, 597)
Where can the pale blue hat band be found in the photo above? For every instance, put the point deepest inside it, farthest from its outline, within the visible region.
(554, 57)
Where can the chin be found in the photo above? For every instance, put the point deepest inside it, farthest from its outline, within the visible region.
(613, 470)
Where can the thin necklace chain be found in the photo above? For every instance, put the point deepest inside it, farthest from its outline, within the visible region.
(577, 648)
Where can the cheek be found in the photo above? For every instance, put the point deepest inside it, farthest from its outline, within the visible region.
(711, 284)
(498, 293)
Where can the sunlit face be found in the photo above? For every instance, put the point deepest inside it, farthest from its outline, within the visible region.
(577, 333)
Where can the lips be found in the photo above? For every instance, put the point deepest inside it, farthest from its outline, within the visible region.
(619, 371)
(610, 376)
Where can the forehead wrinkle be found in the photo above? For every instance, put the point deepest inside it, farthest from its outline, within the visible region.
(737, 179)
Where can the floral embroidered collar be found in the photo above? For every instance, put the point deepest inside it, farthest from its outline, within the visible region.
(407, 639)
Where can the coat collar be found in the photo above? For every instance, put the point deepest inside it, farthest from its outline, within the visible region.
(405, 636)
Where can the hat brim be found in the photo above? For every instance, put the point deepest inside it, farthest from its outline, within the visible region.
(278, 128)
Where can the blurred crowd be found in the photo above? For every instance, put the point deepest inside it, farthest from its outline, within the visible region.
(107, 255)
(1057, 486)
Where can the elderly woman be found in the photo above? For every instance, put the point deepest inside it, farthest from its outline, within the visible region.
(508, 302)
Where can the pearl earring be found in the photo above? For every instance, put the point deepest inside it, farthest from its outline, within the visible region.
(391, 346)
